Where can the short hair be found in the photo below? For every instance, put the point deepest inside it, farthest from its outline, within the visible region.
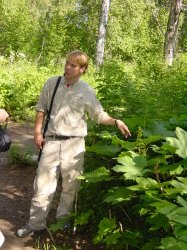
(81, 58)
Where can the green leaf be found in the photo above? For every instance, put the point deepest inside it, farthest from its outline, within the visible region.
(106, 227)
(183, 180)
(83, 218)
(170, 243)
(175, 169)
(133, 159)
(100, 174)
(180, 185)
(164, 207)
(152, 138)
(152, 244)
(117, 195)
(132, 237)
(132, 166)
(158, 221)
(147, 183)
(165, 149)
(182, 202)
(157, 160)
(104, 149)
(116, 141)
(179, 215)
(113, 238)
(157, 128)
(180, 232)
(180, 144)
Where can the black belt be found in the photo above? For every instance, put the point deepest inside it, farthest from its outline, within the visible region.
(61, 137)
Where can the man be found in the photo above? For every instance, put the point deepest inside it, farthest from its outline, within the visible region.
(63, 146)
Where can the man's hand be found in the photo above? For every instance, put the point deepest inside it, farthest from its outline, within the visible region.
(39, 140)
(3, 115)
(123, 128)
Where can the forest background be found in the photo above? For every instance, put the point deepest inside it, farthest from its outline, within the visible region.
(139, 185)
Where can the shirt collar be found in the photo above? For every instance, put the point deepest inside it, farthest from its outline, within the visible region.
(69, 85)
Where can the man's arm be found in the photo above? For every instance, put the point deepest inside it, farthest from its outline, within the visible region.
(96, 112)
(3, 115)
(107, 120)
(38, 137)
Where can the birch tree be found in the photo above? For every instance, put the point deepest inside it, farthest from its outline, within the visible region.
(100, 47)
(171, 32)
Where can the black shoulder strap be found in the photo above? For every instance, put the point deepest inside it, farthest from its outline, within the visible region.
(50, 107)
(48, 114)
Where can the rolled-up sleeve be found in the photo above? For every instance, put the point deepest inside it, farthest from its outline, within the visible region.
(95, 109)
(42, 101)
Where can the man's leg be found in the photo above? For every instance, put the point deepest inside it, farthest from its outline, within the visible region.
(71, 161)
(44, 187)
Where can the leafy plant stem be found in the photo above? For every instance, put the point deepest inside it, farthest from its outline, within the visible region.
(156, 167)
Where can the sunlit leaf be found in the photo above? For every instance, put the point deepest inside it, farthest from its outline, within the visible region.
(132, 166)
(146, 183)
(180, 185)
(180, 144)
(100, 174)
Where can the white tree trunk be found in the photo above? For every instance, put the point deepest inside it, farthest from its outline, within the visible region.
(100, 47)
(171, 32)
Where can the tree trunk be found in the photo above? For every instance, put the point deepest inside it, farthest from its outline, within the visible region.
(171, 32)
(100, 47)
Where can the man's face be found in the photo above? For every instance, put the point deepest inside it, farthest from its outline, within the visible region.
(72, 68)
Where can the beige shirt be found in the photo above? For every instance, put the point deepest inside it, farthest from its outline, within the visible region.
(70, 106)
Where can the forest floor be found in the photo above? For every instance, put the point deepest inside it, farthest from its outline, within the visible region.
(16, 182)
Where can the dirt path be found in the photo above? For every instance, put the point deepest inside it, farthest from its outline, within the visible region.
(15, 192)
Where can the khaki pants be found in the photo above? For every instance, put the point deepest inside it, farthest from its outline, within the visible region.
(65, 157)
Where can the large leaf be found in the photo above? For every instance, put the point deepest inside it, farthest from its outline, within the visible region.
(132, 165)
(180, 144)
